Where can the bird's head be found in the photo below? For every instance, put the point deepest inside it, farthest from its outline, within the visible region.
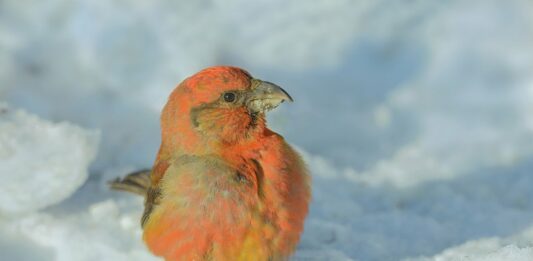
(218, 105)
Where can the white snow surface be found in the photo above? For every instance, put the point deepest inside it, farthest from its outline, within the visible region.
(41, 163)
(415, 118)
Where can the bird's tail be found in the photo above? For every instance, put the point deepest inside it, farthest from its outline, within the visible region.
(137, 182)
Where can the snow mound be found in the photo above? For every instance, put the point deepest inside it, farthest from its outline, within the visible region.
(517, 247)
(484, 250)
(41, 163)
(101, 232)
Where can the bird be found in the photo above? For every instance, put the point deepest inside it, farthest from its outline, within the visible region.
(223, 185)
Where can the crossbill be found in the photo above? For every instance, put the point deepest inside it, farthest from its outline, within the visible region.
(223, 185)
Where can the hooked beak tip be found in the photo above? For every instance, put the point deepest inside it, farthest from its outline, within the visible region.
(287, 95)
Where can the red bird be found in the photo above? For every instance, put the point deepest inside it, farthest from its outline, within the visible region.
(223, 186)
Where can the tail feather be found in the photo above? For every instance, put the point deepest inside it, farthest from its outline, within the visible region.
(137, 182)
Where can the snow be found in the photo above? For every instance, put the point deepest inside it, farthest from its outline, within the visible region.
(99, 233)
(517, 247)
(415, 118)
(41, 163)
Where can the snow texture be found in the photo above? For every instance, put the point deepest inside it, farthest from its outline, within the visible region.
(41, 163)
(415, 118)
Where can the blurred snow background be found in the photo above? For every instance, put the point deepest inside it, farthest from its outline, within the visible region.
(416, 119)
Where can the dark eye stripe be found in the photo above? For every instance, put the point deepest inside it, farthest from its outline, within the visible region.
(229, 97)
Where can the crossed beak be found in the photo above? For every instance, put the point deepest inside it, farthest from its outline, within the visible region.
(265, 96)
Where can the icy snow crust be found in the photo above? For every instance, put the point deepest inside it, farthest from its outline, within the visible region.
(415, 117)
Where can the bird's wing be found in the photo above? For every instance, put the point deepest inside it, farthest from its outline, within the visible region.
(153, 193)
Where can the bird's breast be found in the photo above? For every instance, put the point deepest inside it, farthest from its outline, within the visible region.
(210, 209)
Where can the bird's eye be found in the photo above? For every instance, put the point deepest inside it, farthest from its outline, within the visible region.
(229, 97)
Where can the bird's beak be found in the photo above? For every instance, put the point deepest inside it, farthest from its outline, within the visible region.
(265, 96)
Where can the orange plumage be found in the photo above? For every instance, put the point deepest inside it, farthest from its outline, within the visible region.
(224, 186)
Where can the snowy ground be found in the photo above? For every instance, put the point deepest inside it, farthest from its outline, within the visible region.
(416, 119)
